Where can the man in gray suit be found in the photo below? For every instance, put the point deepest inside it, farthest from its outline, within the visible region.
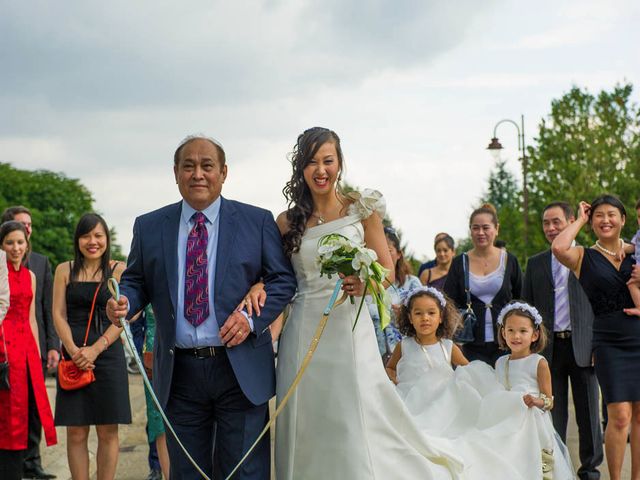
(49, 342)
(567, 315)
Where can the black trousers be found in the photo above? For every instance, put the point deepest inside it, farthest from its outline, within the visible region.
(487, 352)
(11, 464)
(584, 387)
(215, 421)
(32, 460)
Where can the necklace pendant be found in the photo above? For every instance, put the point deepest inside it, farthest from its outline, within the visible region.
(320, 220)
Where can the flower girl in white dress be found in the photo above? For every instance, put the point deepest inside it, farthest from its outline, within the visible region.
(492, 429)
(527, 372)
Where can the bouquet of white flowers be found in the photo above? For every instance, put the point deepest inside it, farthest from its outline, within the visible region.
(338, 254)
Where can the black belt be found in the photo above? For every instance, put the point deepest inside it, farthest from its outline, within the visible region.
(564, 334)
(201, 352)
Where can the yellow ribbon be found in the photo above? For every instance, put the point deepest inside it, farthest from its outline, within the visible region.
(303, 367)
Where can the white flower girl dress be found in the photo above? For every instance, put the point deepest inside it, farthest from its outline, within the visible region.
(493, 431)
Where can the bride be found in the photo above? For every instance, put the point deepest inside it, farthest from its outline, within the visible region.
(345, 419)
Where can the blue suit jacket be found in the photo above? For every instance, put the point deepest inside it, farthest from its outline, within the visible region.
(249, 249)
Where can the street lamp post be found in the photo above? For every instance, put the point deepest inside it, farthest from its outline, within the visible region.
(496, 146)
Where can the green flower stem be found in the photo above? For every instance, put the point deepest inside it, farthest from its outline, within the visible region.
(360, 307)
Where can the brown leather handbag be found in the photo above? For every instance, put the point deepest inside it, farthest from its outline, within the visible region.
(70, 377)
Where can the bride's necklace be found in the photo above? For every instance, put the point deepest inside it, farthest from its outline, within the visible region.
(608, 252)
(319, 218)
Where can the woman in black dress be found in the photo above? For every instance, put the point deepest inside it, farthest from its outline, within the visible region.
(105, 402)
(616, 335)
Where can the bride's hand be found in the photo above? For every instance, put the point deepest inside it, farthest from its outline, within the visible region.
(254, 299)
(352, 285)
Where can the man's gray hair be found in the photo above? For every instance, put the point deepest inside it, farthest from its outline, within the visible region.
(200, 136)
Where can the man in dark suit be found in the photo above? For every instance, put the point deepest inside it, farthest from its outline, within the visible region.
(567, 314)
(49, 342)
(195, 261)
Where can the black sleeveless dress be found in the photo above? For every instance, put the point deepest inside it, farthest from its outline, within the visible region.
(616, 335)
(105, 401)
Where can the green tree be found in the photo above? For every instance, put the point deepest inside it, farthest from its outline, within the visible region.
(588, 145)
(505, 195)
(56, 203)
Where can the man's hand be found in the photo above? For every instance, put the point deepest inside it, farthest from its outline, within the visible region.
(635, 275)
(53, 357)
(117, 310)
(235, 330)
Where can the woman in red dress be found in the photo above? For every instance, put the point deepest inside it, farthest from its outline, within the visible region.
(19, 331)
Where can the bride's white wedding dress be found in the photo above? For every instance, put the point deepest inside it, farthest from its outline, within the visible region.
(345, 420)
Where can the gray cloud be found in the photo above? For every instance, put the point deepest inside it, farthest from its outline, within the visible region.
(122, 55)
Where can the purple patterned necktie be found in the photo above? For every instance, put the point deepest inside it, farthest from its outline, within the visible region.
(196, 278)
(561, 282)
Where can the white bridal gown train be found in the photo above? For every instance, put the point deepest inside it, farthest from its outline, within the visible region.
(347, 421)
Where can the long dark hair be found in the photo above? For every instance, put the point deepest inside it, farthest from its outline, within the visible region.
(13, 226)
(296, 191)
(88, 222)
(402, 267)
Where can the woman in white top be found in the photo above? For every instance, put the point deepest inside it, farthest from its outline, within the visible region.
(495, 279)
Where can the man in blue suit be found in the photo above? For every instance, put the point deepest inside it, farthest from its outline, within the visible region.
(195, 261)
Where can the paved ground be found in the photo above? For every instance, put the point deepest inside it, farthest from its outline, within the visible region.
(132, 463)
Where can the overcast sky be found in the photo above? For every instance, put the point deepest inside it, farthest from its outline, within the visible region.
(104, 92)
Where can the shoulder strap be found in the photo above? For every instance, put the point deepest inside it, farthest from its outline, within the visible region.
(113, 264)
(465, 269)
(93, 306)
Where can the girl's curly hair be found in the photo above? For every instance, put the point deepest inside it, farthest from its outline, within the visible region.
(543, 336)
(296, 190)
(449, 315)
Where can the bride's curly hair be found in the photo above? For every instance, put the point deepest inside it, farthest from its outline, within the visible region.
(296, 191)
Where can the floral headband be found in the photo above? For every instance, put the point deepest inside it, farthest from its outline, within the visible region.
(435, 292)
(537, 318)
